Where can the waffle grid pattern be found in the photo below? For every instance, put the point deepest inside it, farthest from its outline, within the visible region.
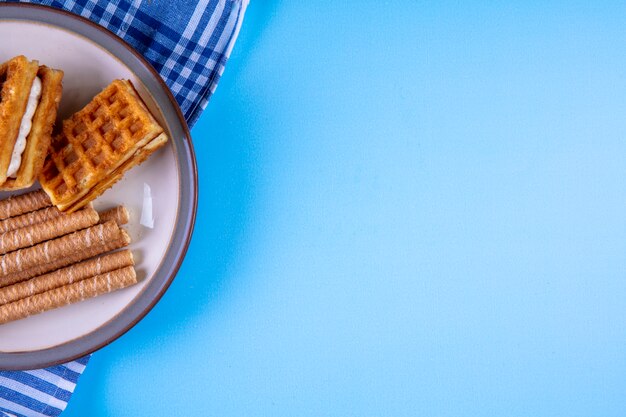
(95, 141)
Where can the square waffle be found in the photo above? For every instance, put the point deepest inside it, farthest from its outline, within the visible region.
(17, 76)
(38, 140)
(110, 135)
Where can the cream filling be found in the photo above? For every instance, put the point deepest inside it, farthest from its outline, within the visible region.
(25, 126)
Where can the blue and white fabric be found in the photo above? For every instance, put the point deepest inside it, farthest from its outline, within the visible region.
(188, 42)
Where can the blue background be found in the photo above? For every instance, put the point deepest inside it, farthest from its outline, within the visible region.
(406, 209)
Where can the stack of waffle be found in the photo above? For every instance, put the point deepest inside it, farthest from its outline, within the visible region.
(30, 95)
(49, 258)
(98, 144)
(92, 151)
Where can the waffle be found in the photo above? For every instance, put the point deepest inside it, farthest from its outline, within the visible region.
(38, 140)
(17, 76)
(98, 144)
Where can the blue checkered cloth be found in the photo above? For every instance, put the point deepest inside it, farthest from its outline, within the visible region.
(188, 42)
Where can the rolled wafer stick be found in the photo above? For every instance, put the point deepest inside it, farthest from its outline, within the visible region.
(51, 250)
(65, 276)
(78, 256)
(24, 203)
(28, 219)
(40, 232)
(118, 214)
(68, 294)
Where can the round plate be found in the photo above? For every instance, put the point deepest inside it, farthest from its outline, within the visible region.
(91, 58)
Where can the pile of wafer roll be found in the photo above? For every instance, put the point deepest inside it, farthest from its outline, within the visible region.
(49, 258)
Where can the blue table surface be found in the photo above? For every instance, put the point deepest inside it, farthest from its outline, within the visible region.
(406, 209)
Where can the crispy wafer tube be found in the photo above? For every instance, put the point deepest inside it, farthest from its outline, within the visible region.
(40, 232)
(68, 294)
(34, 217)
(118, 214)
(50, 250)
(24, 203)
(78, 256)
(65, 276)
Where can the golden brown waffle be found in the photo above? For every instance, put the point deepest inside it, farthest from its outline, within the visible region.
(38, 140)
(110, 135)
(16, 77)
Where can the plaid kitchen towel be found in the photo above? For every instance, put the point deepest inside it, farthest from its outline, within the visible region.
(188, 42)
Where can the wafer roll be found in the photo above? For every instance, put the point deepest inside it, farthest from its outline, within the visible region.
(28, 219)
(65, 276)
(118, 214)
(40, 232)
(78, 256)
(51, 250)
(68, 294)
(24, 203)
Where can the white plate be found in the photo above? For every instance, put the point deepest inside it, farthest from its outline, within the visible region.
(91, 58)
